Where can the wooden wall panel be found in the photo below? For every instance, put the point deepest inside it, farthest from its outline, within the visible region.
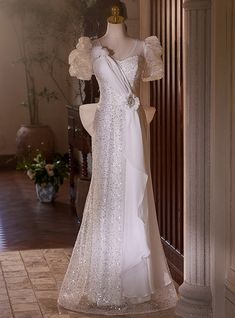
(167, 132)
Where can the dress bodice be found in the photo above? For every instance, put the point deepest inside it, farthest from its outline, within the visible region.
(144, 63)
(117, 79)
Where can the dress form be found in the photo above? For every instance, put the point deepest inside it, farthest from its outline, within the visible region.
(116, 39)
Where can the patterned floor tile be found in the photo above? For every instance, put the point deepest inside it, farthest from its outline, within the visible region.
(37, 268)
(25, 307)
(3, 296)
(9, 256)
(28, 314)
(17, 283)
(47, 283)
(56, 316)
(22, 296)
(13, 268)
(47, 274)
(21, 273)
(5, 305)
(47, 301)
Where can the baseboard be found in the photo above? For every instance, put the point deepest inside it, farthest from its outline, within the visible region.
(175, 262)
(8, 161)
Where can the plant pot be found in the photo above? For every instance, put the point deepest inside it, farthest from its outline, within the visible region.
(45, 193)
(31, 138)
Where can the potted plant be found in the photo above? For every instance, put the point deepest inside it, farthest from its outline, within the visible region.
(44, 32)
(47, 176)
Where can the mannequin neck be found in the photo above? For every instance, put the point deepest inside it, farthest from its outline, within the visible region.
(116, 30)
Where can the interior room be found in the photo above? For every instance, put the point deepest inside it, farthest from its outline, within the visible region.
(117, 158)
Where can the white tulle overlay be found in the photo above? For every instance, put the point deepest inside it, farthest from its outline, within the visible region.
(118, 265)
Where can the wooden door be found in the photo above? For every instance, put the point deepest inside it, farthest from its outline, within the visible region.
(167, 132)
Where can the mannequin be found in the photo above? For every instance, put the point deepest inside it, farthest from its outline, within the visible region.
(116, 39)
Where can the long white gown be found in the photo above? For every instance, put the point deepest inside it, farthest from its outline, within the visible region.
(118, 265)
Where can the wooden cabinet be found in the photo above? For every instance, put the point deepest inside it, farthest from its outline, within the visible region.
(79, 147)
(79, 142)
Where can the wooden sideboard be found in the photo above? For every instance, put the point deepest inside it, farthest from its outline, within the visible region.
(79, 143)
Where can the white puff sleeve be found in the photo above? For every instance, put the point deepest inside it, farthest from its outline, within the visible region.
(154, 67)
(80, 60)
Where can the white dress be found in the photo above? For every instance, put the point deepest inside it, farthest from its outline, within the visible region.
(118, 265)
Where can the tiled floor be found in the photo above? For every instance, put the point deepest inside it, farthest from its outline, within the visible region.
(29, 284)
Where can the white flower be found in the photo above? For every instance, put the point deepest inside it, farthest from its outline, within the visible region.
(50, 169)
(99, 51)
(30, 174)
(133, 101)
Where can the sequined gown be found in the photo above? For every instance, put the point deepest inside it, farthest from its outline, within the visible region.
(118, 265)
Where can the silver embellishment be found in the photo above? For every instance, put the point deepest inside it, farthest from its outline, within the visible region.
(133, 102)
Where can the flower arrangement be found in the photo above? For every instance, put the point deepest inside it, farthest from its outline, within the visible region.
(44, 173)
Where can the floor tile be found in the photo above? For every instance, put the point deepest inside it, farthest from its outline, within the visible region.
(48, 306)
(47, 274)
(31, 253)
(21, 273)
(68, 252)
(37, 268)
(22, 296)
(5, 309)
(12, 262)
(47, 283)
(16, 283)
(6, 315)
(25, 307)
(47, 301)
(56, 316)
(4, 256)
(13, 268)
(3, 290)
(34, 262)
(3, 297)
(28, 314)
